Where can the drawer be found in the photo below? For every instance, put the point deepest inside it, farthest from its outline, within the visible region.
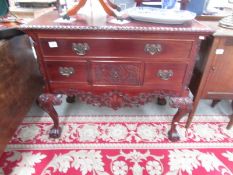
(164, 73)
(116, 73)
(67, 71)
(119, 47)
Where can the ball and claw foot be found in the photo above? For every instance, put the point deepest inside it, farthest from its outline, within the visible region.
(55, 132)
(66, 17)
(214, 103)
(70, 99)
(162, 101)
(118, 8)
(173, 136)
(229, 127)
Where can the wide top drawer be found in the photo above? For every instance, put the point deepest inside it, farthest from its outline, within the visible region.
(116, 47)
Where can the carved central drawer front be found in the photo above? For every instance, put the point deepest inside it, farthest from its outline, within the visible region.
(120, 47)
(116, 73)
(67, 71)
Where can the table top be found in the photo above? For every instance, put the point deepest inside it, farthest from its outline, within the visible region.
(218, 31)
(9, 29)
(51, 21)
(7, 25)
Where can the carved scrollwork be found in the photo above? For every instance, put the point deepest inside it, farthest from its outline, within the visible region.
(116, 99)
(181, 102)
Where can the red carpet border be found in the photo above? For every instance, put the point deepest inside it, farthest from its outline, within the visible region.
(120, 145)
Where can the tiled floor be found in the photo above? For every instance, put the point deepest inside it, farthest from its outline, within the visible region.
(79, 108)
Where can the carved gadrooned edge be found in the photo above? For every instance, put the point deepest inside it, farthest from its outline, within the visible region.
(117, 99)
(116, 28)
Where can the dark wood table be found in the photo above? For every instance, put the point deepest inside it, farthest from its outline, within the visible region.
(115, 65)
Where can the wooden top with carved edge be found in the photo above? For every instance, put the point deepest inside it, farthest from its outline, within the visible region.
(46, 22)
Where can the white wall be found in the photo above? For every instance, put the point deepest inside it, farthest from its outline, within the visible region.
(218, 3)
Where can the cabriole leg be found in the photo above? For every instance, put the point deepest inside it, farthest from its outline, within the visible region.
(161, 101)
(184, 105)
(214, 103)
(46, 102)
(229, 126)
(70, 99)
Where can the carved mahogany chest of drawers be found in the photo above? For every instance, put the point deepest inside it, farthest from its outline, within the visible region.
(115, 65)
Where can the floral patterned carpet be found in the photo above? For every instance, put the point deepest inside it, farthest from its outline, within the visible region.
(120, 145)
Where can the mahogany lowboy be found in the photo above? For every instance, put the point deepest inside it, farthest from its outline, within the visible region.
(115, 65)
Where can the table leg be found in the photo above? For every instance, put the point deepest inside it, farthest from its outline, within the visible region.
(70, 98)
(46, 102)
(184, 105)
(230, 124)
(161, 101)
(214, 103)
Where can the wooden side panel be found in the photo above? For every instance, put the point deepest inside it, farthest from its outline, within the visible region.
(220, 78)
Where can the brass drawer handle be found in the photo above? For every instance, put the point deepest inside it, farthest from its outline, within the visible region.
(80, 48)
(66, 71)
(165, 74)
(153, 48)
